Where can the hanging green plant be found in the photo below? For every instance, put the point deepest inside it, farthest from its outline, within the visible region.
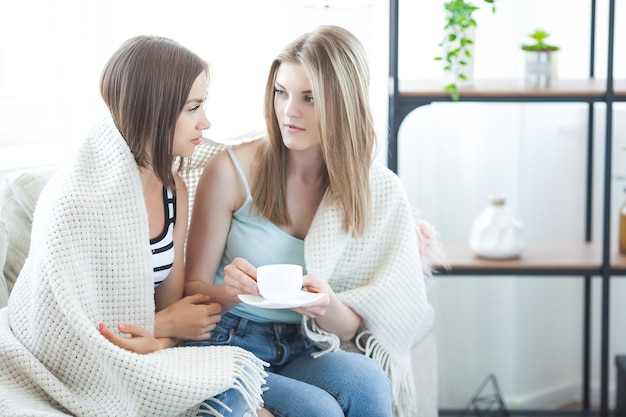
(456, 44)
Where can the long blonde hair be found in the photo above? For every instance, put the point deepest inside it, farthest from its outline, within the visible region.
(336, 64)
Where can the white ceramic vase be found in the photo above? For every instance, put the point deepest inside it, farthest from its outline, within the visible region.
(496, 233)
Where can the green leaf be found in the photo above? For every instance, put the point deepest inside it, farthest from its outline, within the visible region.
(453, 54)
(539, 36)
(458, 19)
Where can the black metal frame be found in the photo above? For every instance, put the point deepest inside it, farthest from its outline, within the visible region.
(401, 106)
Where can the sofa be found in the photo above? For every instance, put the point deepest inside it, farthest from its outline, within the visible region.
(19, 191)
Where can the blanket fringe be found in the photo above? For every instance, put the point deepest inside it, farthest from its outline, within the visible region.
(207, 409)
(250, 376)
(326, 342)
(402, 383)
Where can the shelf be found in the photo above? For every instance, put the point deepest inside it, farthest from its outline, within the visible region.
(451, 412)
(618, 264)
(537, 259)
(552, 259)
(588, 90)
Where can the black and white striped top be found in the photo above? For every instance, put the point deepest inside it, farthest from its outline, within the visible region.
(163, 245)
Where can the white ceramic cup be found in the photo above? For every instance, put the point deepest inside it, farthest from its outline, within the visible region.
(279, 282)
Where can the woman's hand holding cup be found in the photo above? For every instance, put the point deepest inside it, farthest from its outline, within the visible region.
(240, 278)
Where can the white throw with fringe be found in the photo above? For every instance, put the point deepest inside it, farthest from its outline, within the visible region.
(90, 262)
(381, 277)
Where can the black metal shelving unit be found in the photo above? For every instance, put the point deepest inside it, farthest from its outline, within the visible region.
(586, 259)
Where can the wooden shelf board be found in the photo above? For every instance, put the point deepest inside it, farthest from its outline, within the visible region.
(592, 88)
(556, 257)
(618, 263)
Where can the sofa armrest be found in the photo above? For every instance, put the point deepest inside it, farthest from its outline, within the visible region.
(19, 192)
(4, 245)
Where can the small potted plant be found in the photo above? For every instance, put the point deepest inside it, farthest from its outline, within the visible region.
(540, 68)
(457, 44)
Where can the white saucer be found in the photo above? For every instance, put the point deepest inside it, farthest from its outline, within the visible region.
(302, 299)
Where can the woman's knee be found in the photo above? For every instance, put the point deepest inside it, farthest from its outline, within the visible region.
(367, 388)
(368, 370)
(322, 404)
(229, 403)
(287, 397)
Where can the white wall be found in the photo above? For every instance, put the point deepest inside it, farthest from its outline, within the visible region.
(527, 331)
(52, 52)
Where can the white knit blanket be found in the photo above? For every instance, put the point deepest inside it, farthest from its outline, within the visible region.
(380, 276)
(90, 262)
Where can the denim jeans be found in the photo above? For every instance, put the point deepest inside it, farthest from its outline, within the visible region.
(335, 384)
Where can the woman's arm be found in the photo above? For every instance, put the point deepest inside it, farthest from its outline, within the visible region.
(219, 194)
(192, 317)
(329, 312)
(141, 340)
(171, 289)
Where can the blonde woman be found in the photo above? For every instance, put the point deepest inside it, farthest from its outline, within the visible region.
(310, 194)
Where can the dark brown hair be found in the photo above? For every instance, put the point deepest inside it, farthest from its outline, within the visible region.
(145, 85)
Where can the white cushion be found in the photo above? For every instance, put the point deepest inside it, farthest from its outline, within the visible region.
(424, 360)
(19, 193)
(4, 244)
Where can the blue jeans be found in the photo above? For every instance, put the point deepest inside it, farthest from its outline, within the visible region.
(233, 399)
(335, 384)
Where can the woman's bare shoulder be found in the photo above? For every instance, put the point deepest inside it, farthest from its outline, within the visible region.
(248, 149)
(244, 152)
(221, 175)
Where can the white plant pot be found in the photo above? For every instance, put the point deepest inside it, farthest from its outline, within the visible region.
(540, 69)
(496, 233)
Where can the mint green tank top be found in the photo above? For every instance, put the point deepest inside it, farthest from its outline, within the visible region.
(261, 242)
